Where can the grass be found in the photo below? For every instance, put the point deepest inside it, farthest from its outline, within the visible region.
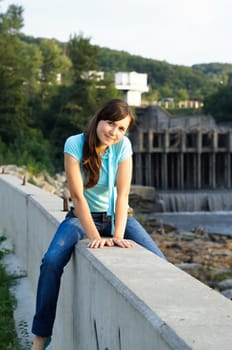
(8, 335)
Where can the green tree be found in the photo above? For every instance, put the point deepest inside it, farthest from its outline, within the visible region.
(219, 104)
(73, 105)
(52, 73)
(55, 63)
(182, 95)
(83, 55)
(14, 111)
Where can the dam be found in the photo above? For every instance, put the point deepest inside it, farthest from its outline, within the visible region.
(183, 159)
(180, 153)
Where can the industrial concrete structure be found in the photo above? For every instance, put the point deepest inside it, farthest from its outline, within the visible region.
(133, 85)
(183, 159)
(180, 153)
(113, 298)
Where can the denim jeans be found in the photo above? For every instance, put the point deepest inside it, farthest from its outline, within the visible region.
(59, 253)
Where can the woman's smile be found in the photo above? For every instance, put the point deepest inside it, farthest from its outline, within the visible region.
(110, 132)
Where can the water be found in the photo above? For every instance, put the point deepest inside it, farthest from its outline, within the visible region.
(195, 201)
(217, 222)
(212, 210)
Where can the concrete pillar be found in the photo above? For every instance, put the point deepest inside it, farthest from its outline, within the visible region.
(140, 141)
(228, 169)
(156, 170)
(166, 141)
(148, 170)
(199, 171)
(215, 141)
(181, 171)
(199, 141)
(150, 140)
(164, 179)
(138, 168)
(212, 170)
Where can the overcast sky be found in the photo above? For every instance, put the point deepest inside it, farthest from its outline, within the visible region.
(182, 32)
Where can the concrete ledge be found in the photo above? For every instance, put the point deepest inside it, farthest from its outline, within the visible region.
(112, 298)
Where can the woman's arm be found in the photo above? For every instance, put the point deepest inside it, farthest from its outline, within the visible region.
(121, 207)
(76, 188)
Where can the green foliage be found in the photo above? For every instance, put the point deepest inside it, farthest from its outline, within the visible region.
(219, 104)
(218, 72)
(8, 336)
(31, 150)
(38, 111)
(164, 79)
(14, 111)
(54, 62)
(83, 56)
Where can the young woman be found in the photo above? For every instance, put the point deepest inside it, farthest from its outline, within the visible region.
(98, 166)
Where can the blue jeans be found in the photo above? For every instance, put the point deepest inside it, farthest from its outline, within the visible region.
(59, 253)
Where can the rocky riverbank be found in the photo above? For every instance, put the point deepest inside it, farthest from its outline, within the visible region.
(207, 257)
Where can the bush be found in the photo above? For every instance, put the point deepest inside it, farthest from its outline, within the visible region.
(31, 150)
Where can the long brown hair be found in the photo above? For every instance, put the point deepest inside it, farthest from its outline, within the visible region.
(113, 110)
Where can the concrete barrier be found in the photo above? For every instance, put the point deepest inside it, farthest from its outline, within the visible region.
(112, 298)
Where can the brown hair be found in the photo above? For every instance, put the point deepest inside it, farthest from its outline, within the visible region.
(113, 110)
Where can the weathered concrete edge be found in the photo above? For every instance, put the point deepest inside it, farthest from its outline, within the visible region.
(36, 197)
(167, 333)
(40, 198)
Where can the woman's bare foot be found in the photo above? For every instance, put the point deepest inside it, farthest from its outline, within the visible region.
(38, 343)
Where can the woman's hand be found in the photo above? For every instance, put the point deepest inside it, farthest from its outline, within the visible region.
(100, 243)
(121, 242)
(109, 242)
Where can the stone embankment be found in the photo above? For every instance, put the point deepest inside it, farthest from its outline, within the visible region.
(207, 257)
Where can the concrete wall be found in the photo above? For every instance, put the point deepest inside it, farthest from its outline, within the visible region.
(193, 121)
(112, 298)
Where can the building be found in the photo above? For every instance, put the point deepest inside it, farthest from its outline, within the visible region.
(133, 85)
(180, 153)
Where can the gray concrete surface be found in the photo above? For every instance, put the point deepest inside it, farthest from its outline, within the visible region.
(112, 298)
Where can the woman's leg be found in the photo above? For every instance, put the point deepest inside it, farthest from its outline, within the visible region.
(59, 252)
(136, 232)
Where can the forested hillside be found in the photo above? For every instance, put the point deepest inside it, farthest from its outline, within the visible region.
(167, 80)
(46, 93)
(164, 79)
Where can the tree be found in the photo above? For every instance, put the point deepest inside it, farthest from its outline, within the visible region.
(182, 95)
(219, 104)
(73, 105)
(14, 111)
(83, 55)
(55, 63)
(52, 72)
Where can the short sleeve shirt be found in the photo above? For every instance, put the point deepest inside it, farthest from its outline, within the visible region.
(98, 196)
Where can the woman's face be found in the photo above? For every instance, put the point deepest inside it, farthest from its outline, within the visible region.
(110, 132)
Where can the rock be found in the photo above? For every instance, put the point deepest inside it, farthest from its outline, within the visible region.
(225, 284)
(224, 252)
(220, 272)
(199, 230)
(187, 236)
(144, 192)
(193, 267)
(227, 293)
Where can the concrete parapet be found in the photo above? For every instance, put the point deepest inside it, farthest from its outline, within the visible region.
(112, 298)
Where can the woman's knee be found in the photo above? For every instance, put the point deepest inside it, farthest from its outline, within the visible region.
(51, 261)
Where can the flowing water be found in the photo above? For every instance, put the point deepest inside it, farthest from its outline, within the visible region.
(211, 210)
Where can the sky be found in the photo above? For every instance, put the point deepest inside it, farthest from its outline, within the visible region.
(182, 32)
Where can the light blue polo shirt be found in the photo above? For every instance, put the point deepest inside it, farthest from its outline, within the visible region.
(98, 196)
